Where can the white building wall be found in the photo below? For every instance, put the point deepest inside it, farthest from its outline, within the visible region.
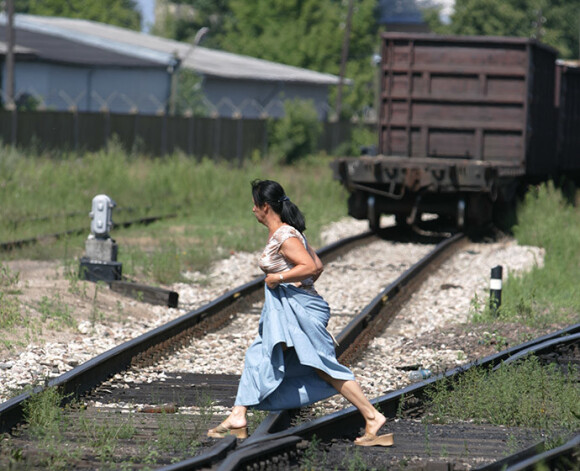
(147, 91)
(61, 87)
(251, 98)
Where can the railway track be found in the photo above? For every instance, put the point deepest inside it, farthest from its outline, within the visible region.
(158, 399)
(153, 345)
(20, 243)
(417, 446)
(149, 348)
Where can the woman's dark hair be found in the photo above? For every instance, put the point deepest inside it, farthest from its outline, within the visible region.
(271, 192)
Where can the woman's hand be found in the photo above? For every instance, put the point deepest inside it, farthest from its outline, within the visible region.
(273, 280)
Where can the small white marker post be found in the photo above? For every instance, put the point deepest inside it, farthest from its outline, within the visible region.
(495, 289)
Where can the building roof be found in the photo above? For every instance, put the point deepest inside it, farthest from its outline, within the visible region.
(56, 48)
(146, 47)
(18, 50)
(57, 44)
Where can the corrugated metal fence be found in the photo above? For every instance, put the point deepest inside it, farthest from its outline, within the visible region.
(156, 135)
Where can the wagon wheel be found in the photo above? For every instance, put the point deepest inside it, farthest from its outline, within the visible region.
(479, 211)
(401, 220)
(374, 221)
(374, 215)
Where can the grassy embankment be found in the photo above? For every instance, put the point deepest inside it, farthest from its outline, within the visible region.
(212, 207)
(211, 202)
(527, 393)
(548, 293)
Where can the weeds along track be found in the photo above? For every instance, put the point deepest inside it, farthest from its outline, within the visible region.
(326, 442)
(202, 388)
(155, 409)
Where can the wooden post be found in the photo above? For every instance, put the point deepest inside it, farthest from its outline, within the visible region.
(10, 39)
(147, 294)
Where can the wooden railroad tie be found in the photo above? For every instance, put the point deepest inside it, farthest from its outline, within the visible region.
(146, 294)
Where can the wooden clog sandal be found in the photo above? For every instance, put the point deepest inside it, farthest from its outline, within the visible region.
(369, 439)
(220, 432)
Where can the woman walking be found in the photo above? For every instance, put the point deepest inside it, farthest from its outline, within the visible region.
(292, 362)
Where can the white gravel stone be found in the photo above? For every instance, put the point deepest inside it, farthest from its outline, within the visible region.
(382, 367)
(348, 284)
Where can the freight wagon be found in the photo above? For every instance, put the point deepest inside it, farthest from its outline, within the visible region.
(568, 130)
(464, 123)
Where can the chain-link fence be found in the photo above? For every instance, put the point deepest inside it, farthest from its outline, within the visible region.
(148, 103)
(219, 130)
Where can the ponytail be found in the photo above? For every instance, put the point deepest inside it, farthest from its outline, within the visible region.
(291, 215)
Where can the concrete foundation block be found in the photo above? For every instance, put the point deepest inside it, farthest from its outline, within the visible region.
(97, 270)
(104, 250)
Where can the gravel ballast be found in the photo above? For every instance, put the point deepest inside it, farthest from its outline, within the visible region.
(429, 330)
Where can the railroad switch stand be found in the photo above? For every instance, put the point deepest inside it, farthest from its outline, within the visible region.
(100, 260)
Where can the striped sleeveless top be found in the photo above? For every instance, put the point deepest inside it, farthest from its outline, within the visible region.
(272, 261)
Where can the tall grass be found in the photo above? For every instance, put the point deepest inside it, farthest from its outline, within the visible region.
(525, 394)
(211, 203)
(546, 294)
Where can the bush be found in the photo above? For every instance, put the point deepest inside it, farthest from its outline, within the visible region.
(363, 140)
(296, 134)
(483, 395)
(544, 294)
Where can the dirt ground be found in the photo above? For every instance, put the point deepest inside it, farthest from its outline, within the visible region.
(482, 340)
(49, 290)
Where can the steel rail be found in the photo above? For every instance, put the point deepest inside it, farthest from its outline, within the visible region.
(371, 320)
(325, 428)
(360, 324)
(215, 454)
(153, 344)
(361, 328)
(15, 244)
(73, 214)
(546, 345)
(284, 445)
(562, 457)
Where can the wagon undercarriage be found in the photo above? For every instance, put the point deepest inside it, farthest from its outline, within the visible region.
(462, 191)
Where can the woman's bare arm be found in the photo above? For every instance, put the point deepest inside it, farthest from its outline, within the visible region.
(304, 267)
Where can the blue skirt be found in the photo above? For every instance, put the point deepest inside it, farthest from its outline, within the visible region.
(279, 370)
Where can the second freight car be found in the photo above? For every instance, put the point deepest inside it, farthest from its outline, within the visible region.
(568, 106)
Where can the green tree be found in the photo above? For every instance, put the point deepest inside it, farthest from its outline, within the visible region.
(115, 12)
(189, 94)
(309, 34)
(296, 134)
(554, 22)
(302, 33)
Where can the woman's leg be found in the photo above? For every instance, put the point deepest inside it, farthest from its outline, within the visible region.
(237, 417)
(353, 393)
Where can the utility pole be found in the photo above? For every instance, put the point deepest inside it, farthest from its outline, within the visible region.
(10, 55)
(345, 44)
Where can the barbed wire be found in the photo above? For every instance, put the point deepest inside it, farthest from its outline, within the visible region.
(118, 102)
